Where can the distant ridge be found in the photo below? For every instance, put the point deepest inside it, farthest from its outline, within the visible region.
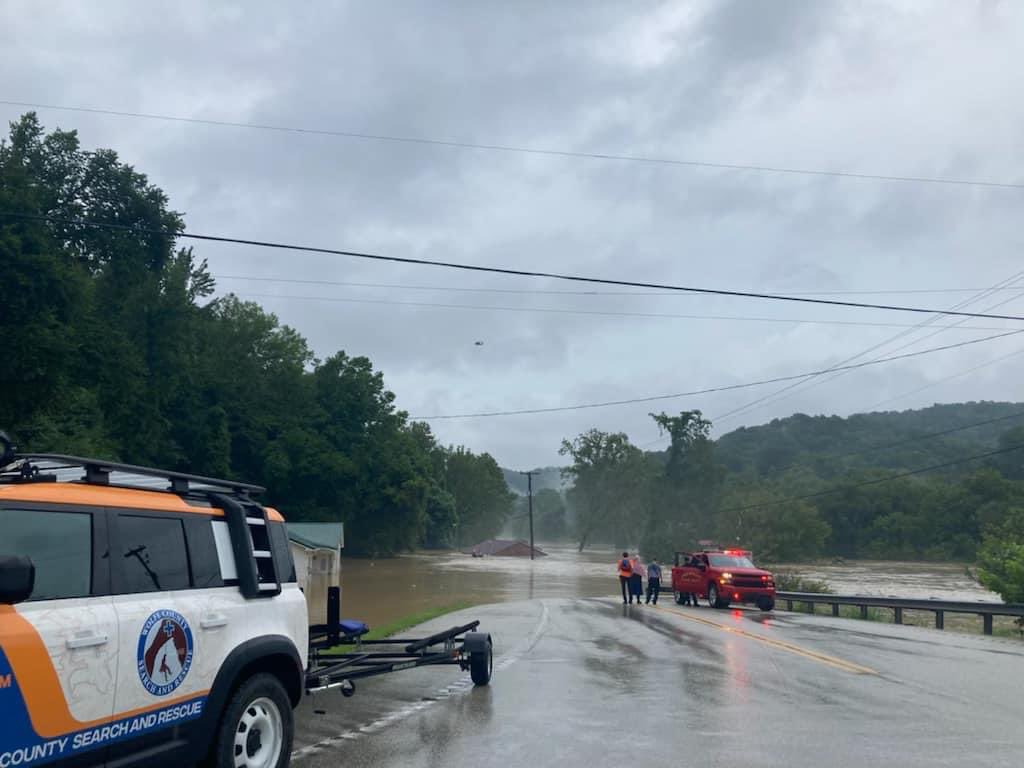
(848, 442)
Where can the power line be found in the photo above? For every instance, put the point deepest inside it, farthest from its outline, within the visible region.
(946, 378)
(815, 381)
(508, 148)
(494, 270)
(875, 481)
(598, 312)
(709, 390)
(538, 291)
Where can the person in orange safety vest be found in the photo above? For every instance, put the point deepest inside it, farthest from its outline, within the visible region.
(625, 572)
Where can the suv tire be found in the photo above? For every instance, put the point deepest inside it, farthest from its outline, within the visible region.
(258, 723)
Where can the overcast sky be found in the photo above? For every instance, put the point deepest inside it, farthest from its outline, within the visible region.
(903, 89)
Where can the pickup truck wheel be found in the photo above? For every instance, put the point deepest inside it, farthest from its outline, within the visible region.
(256, 730)
(679, 597)
(766, 603)
(714, 599)
(481, 665)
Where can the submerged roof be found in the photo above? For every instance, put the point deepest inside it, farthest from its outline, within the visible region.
(509, 547)
(318, 535)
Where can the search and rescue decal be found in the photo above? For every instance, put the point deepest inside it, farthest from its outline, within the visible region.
(164, 652)
(35, 751)
(37, 727)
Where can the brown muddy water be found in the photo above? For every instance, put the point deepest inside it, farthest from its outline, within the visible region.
(942, 581)
(380, 591)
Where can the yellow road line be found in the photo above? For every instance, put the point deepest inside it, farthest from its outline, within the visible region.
(823, 658)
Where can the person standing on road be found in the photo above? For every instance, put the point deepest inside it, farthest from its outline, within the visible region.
(653, 581)
(625, 573)
(636, 581)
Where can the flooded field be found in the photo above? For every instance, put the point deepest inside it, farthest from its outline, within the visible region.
(378, 591)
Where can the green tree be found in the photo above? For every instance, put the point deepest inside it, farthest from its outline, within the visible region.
(110, 350)
(1001, 558)
(611, 480)
(682, 497)
(483, 502)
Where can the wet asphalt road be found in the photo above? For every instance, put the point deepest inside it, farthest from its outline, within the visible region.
(589, 682)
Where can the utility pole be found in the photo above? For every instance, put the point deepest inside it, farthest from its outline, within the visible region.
(529, 486)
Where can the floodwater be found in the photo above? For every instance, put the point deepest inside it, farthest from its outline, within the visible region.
(942, 581)
(379, 591)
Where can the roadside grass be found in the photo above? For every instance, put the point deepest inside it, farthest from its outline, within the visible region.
(403, 623)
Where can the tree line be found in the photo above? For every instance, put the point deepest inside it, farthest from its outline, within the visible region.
(114, 346)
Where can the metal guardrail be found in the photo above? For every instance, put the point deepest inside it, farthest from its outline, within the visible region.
(898, 604)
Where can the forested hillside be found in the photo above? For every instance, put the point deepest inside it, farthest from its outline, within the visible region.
(113, 347)
(831, 445)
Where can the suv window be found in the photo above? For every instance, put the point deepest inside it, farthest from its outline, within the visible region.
(154, 558)
(282, 552)
(59, 544)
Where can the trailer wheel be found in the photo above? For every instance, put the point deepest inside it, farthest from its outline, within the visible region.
(680, 597)
(481, 664)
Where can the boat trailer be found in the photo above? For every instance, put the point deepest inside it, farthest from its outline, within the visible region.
(459, 646)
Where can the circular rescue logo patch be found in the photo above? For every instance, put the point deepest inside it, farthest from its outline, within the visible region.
(165, 652)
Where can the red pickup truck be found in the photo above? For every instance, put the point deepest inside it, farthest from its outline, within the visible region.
(722, 577)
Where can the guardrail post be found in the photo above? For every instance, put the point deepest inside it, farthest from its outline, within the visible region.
(864, 612)
(940, 620)
(789, 605)
(987, 623)
(897, 615)
(835, 609)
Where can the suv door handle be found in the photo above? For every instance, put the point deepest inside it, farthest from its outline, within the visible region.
(213, 621)
(86, 640)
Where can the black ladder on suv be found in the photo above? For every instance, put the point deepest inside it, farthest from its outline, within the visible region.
(258, 573)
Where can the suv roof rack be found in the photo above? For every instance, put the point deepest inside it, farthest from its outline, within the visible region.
(97, 472)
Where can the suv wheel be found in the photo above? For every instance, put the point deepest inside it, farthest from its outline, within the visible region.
(256, 730)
